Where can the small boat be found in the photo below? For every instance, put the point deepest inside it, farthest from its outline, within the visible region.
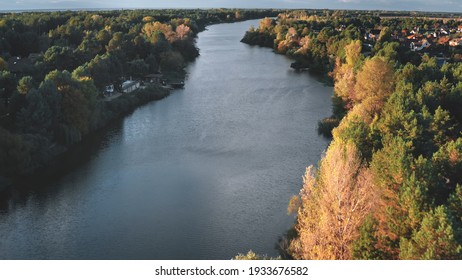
(177, 85)
(299, 66)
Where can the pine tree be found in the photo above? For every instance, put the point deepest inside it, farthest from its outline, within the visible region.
(433, 240)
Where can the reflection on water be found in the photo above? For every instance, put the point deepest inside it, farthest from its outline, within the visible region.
(203, 174)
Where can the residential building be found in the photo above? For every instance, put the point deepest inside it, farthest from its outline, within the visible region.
(455, 42)
(419, 45)
(129, 86)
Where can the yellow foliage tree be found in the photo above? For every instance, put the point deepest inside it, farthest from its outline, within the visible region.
(353, 53)
(304, 45)
(376, 79)
(345, 81)
(265, 24)
(344, 73)
(366, 91)
(334, 204)
(151, 28)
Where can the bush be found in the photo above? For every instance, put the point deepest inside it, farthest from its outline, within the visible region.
(326, 125)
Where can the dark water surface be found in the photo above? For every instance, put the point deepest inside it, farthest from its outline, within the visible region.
(203, 174)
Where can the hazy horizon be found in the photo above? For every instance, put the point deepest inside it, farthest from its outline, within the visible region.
(391, 5)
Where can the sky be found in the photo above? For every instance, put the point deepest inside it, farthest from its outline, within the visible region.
(409, 5)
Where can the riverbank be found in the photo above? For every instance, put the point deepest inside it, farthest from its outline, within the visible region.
(40, 126)
(109, 111)
(395, 155)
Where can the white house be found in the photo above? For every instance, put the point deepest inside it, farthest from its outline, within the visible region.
(129, 86)
(109, 89)
(418, 46)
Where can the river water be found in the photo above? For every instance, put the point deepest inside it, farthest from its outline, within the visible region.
(206, 173)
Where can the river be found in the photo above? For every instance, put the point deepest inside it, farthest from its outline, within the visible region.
(206, 173)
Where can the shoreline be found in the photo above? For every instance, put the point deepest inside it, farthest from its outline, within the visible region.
(135, 100)
(117, 109)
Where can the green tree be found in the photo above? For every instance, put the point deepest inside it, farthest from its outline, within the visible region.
(59, 58)
(442, 126)
(138, 68)
(75, 108)
(433, 240)
(365, 247)
(36, 117)
(25, 84)
(390, 167)
(14, 153)
(447, 162)
(171, 61)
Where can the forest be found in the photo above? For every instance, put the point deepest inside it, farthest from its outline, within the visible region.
(389, 186)
(56, 67)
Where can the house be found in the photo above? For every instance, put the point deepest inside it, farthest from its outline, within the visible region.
(455, 42)
(367, 47)
(415, 37)
(459, 28)
(129, 86)
(341, 28)
(372, 35)
(109, 90)
(443, 40)
(419, 45)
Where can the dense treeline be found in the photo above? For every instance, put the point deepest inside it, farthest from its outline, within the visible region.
(315, 39)
(389, 186)
(54, 67)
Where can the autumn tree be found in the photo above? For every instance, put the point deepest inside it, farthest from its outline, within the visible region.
(265, 24)
(374, 80)
(334, 203)
(345, 73)
(374, 84)
(150, 29)
(182, 31)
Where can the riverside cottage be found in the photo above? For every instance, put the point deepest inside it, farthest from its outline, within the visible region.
(129, 86)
